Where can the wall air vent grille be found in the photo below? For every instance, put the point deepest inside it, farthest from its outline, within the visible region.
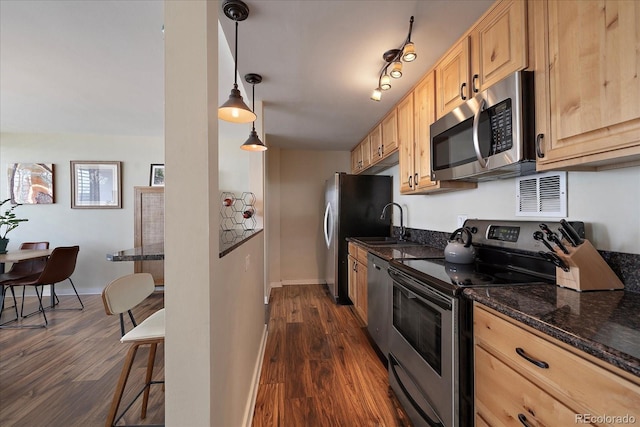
(543, 195)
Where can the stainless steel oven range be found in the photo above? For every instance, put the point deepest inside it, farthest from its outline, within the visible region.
(431, 339)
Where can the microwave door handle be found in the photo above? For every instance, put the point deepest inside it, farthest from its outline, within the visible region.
(476, 142)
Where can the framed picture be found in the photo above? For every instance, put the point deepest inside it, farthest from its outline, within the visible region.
(96, 185)
(31, 183)
(156, 177)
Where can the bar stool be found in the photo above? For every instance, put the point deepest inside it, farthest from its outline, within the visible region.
(119, 297)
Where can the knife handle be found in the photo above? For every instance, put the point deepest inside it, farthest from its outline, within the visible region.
(575, 237)
(567, 237)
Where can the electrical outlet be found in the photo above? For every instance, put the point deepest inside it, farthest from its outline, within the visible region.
(461, 220)
(247, 262)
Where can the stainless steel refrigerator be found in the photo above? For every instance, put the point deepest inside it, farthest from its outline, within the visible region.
(353, 207)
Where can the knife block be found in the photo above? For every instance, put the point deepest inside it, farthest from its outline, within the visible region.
(587, 270)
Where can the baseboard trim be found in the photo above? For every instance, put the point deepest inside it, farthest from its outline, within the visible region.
(47, 291)
(304, 282)
(255, 383)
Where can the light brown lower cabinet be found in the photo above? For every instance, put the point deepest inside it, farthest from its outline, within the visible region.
(526, 378)
(358, 280)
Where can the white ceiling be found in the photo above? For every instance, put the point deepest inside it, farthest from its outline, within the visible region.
(97, 66)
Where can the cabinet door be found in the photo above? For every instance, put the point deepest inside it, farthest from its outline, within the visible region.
(389, 134)
(593, 84)
(375, 144)
(499, 44)
(406, 144)
(362, 297)
(149, 228)
(365, 147)
(452, 78)
(425, 114)
(353, 279)
(356, 159)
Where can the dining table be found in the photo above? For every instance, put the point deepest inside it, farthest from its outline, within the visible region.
(22, 255)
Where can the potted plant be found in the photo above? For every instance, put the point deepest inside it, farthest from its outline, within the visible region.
(8, 222)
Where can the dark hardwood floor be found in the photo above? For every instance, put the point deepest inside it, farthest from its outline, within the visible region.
(65, 375)
(319, 368)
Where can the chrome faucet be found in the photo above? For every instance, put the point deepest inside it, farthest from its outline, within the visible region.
(402, 229)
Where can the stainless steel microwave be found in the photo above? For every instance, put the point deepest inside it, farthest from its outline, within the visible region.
(488, 137)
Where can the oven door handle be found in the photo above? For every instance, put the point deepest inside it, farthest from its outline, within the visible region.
(425, 293)
(393, 362)
(476, 139)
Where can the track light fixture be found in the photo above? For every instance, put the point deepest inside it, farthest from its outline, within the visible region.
(235, 110)
(393, 58)
(253, 143)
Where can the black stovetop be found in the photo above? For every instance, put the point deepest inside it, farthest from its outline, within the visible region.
(491, 268)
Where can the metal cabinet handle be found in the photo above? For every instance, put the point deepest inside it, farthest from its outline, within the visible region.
(473, 83)
(539, 151)
(539, 363)
(462, 91)
(523, 420)
(415, 179)
(410, 181)
(380, 151)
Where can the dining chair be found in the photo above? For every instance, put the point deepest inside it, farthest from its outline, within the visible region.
(59, 267)
(21, 269)
(119, 297)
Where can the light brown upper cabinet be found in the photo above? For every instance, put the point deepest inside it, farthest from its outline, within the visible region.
(361, 156)
(499, 44)
(406, 144)
(452, 78)
(416, 113)
(389, 140)
(493, 49)
(588, 97)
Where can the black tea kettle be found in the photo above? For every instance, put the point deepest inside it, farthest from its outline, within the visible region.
(457, 250)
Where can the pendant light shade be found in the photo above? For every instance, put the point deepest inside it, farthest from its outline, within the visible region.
(409, 52)
(235, 110)
(253, 143)
(385, 82)
(396, 70)
(377, 94)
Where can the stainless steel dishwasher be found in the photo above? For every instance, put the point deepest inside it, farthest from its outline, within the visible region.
(379, 294)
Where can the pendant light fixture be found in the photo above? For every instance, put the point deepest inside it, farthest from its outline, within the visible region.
(235, 110)
(393, 59)
(253, 143)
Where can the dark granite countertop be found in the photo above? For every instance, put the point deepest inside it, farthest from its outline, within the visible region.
(153, 252)
(231, 239)
(605, 324)
(400, 251)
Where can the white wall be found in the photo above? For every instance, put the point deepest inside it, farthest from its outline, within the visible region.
(96, 231)
(215, 317)
(608, 201)
(273, 213)
(302, 176)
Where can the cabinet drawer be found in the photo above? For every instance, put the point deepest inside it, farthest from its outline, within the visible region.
(353, 249)
(497, 403)
(361, 255)
(567, 374)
